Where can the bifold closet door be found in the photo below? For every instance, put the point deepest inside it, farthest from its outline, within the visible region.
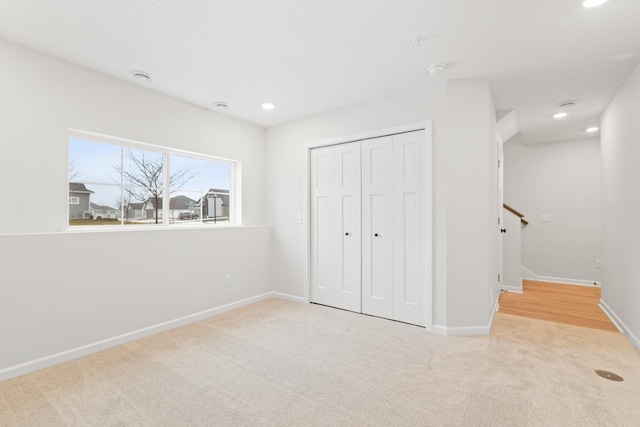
(348, 220)
(377, 227)
(336, 226)
(323, 236)
(368, 212)
(409, 203)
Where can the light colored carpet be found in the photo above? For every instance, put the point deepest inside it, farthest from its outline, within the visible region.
(281, 363)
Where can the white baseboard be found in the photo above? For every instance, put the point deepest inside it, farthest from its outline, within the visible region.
(620, 324)
(512, 289)
(496, 306)
(591, 283)
(74, 353)
(468, 330)
(288, 297)
(527, 274)
(530, 275)
(461, 330)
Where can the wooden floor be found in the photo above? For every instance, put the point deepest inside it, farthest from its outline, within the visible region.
(554, 302)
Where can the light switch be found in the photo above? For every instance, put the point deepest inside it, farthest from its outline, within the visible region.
(545, 218)
(299, 218)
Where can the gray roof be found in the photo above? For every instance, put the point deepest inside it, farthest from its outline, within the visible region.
(135, 205)
(78, 187)
(101, 207)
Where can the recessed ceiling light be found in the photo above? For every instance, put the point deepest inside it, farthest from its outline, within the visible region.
(268, 105)
(221, 105)
(592, 3)
(436, 69)
(142, 76)
(560, 115)
(593, 129)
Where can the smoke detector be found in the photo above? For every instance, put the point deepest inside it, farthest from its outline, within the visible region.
(436, 69)
(419, 41)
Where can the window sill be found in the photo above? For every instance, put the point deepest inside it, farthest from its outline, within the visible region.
(132, 228)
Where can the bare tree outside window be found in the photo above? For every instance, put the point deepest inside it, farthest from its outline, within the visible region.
(144, 178)
(137, 183)
(73, 170)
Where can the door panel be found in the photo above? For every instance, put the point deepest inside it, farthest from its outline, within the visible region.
(408, 203)
(368, 208)
(322, 226)
(347, 254)
(377, 226)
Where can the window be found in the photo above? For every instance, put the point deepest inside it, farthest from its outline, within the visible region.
(118, 182)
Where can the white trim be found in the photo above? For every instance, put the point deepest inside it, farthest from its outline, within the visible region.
(74, 353)
(427, 126)
(287, 297)
(377, 133)
(530, 275)
(620, 324)
(116, 140)
(527, 274)
(512, 289)
(496, 306)
(461, 330)
(468, 330)
(578, 282)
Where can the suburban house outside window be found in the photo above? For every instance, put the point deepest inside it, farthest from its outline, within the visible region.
(119, 182)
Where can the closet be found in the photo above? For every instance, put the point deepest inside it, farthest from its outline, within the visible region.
(367, 219)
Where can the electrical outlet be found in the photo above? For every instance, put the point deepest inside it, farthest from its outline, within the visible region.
(545, 218)
(598, 263)
(227, 280)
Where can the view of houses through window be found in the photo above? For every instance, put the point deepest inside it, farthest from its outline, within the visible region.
(115, 184)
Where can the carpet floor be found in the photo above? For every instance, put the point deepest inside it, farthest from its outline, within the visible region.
(286, 364)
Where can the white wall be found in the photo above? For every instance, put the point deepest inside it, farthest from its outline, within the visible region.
(42, 97)
(620, 138)
(60, 290)
(472, 206)
(562, 179)
(464, 193)
(285, 176)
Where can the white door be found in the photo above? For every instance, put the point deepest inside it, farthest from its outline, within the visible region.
(408, 203)
(377, 227)
(323, 228)
(348, 226)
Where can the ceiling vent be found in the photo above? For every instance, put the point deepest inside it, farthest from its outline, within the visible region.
(567, 105)
(142, 76)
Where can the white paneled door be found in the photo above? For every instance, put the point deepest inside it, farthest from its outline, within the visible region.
(377, 227)
(347, 227)
(408, 206)
(368, 205)
(322, 226)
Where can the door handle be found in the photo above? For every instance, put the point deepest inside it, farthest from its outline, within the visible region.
(503, 230)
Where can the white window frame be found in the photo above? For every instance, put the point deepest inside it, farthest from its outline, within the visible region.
(74, 200)
(235, 182)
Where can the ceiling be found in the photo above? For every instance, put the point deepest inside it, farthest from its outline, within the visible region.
(313, 56)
